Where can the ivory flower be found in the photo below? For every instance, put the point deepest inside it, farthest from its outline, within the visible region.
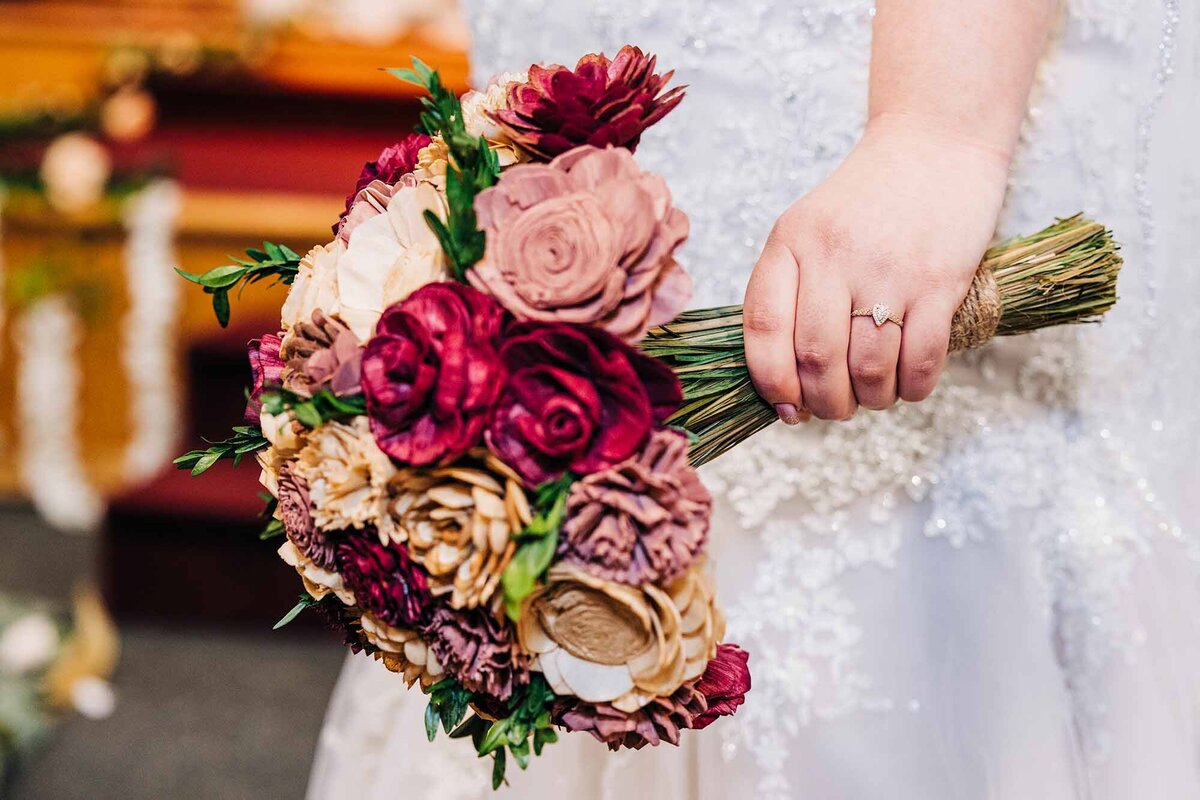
(318, 582)
(605, 642)
(402, 651)
(390, 255)
(315, 286)
(347, 477)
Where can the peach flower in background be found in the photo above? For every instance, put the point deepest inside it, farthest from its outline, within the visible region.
(588, 239)
(390, 255)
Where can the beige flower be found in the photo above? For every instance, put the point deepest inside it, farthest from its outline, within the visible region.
(402, 651)
(75, 169)
(459, 523)
(347, 476)
(605, 642)
(477, 106)
(390, 255)
(318, 582)
(315, 286)
(285, 434)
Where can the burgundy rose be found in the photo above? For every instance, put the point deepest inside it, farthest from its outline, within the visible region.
(576, 398)
(431, 374)
(266, 369)
(724, 684)
(385, 581)
(392, 164)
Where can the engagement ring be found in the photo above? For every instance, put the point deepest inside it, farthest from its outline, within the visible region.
(880, 313)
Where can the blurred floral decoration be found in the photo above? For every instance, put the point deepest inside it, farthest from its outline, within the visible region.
(366, 22)
(51, 664)
(66, 178)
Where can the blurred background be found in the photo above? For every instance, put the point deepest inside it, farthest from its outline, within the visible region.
(137, 658)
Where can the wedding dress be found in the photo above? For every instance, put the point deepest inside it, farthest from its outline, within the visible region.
(991, 594)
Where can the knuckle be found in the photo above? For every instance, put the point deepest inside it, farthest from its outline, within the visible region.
(759, 318)
(871, 374)
(924, 369)
(813, 361)
(830, 235)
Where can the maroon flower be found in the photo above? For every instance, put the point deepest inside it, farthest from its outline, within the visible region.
(431, 374)
(393, 163)
(296, 515)
(266, 369)
(383, 578)
(600, 102)
(479, 649)
(663, 719)
(724, 684)
(577, 398)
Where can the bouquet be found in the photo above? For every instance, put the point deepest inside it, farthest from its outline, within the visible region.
(480, 419)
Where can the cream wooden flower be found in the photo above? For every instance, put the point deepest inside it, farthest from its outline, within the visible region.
(315, 285)
(606, 642)
(390, 256)
(459, 523)
(317, 582)
(402, 651)
(348, 477)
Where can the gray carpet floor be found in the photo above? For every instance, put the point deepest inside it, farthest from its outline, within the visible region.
(200, 713)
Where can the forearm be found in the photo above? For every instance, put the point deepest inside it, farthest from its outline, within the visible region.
(961, 67)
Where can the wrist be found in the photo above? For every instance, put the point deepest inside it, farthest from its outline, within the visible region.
(925, 132)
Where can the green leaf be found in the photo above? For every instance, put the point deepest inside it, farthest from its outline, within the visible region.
(431, 721)
(220, 304)
(495, 738)
(305, 602)
(206, 461)
(307, 414)
(273, 529)
(498, 765)
(222, 277)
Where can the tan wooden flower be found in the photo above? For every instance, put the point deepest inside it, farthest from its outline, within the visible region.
(402, 651)
(318, 582)
(459, 523)
(606, 642)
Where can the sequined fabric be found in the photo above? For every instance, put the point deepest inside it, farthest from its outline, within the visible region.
(1004, 574)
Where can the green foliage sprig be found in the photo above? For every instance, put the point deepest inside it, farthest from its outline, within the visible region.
(306, 601)
(312, 412)
(524, 731)
(246, 439)
(536, 544)
(272, 261)
(474, 167)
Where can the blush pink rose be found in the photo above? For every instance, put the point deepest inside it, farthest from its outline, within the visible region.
(586, 239)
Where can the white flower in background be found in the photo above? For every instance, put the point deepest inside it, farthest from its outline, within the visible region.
(315, 286)
(390, 256)
(93, 697)
(75, 170)
(318, 582)
(28, 644)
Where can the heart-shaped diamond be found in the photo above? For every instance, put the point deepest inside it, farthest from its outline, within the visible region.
(880, 313)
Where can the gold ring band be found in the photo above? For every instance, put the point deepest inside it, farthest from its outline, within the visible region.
(879, 314)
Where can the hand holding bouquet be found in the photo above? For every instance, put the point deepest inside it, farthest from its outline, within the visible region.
(481, 417)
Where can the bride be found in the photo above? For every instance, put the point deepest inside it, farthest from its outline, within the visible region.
(991, 592)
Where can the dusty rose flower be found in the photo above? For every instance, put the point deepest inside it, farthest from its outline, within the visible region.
(321, 353)
(660, 720)
(642, 521)
(600, 102)
(385, 581)
(266, 369)
(479, 649)
(588, 238)
(392, 163)
(296, 515)
(724, 684)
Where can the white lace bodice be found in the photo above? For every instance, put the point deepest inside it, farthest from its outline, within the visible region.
(1069, 450)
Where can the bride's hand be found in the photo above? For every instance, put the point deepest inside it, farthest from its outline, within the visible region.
(903, 221)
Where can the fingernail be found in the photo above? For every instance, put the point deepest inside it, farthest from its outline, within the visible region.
(789, 413)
